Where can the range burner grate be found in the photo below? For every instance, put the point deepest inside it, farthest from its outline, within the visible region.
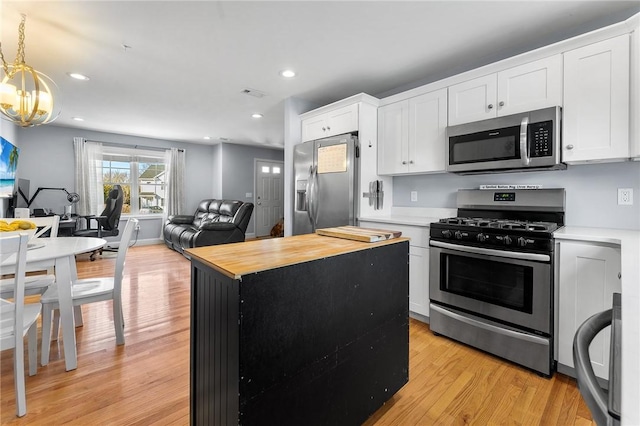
(501, 224)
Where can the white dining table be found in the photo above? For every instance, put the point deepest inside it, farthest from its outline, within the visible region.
(60, 253)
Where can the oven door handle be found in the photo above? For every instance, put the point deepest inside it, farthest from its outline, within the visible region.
(492, 252)
(492, 328)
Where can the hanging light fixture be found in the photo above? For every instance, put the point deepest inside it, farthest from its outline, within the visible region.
(26, 95)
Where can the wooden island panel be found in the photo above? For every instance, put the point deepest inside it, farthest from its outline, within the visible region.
(324, 340)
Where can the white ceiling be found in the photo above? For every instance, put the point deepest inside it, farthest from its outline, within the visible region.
(189, 62)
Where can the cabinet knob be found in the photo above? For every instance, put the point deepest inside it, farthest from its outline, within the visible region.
(490, 106)
(619, 275)
(324, 129)
(569, 146)
(501, 103)
(411, 162)
(404, 163)
(328, 128)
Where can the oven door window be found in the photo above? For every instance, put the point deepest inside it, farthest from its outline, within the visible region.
(503, 284)
(502, 144)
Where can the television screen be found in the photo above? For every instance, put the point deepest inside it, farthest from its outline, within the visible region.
(8, 164)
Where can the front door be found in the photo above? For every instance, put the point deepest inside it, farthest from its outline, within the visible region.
(269, 203)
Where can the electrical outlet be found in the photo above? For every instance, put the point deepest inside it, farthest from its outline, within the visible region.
(137, 228)
(625, 196)
(414, 196)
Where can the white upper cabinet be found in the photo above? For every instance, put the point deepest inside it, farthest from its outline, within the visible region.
(427, 127)
(596, 101)
(393, 138)
(411, 135)
(332, 123)
(473, 100)
(526, 87)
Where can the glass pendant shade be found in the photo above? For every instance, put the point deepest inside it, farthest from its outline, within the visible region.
(27, 96)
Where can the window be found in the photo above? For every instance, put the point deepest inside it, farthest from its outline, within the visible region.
(140, 173)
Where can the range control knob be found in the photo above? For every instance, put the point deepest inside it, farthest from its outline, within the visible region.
(482, 237)
(522, 242)
(507, 240)
(446, 233)
(458, 235)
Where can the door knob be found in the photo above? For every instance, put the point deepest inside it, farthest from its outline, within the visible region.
(569, 146)
(501, 103)
(490, 106)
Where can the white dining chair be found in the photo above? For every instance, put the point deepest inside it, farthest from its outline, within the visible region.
(90, 290)
(38, 283)
(18, 319)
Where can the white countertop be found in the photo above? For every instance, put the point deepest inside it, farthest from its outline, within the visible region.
(413, 216)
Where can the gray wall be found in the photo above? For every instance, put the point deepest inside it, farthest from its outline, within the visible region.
(221, 171)
(217, 167)
(237, 176)
(591, 191)
(47, 160)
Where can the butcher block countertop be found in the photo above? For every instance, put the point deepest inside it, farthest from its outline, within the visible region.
(238, 259)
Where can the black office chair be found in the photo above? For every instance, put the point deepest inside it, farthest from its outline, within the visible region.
(108, 221)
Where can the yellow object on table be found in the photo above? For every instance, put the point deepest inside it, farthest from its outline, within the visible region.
(16, 225)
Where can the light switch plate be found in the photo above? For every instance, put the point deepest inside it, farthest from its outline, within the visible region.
(414, 196)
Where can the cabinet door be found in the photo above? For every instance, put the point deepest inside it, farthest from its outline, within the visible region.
(314, 128)
(427, 126)
(419, 280)
(587, 280)
(530, 86)
(472, 100)
(393, 137)
(342, 120)
(596, 101)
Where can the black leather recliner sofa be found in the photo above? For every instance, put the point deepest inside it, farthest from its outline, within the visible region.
(214, 222)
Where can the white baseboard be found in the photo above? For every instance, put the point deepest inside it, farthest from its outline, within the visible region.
(145, 242)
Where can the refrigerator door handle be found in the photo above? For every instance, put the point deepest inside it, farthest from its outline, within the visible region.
(314, 197)
(309, 196)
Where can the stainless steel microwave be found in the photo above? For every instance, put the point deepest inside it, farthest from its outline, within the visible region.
(519, 142)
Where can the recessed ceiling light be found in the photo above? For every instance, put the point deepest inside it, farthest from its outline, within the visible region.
(288, 73)
(207, 138)
(256, 115)
(77, 118)
(78, 76)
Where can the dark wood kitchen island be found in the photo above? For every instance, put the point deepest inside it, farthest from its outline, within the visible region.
(300, 330)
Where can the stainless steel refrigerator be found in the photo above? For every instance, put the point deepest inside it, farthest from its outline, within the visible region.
(326, 184)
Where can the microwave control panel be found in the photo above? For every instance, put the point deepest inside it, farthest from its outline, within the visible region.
(541, 139)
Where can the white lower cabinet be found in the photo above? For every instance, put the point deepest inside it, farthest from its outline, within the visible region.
(418, 263)
(589, 274)
(419, 280)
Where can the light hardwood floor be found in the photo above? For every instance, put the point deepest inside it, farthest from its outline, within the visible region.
(146, 381)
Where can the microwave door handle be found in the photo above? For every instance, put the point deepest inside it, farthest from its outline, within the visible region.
(524, 143)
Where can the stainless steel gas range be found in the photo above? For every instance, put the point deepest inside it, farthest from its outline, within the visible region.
(491, 280)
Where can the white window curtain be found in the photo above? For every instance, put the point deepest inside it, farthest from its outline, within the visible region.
(174, 161)
(88, 177)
